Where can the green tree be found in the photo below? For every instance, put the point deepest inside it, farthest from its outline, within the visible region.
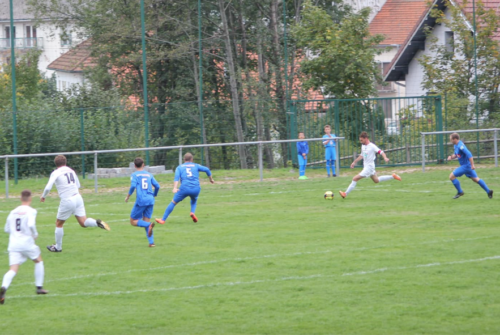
(450, 68)
(339, 54)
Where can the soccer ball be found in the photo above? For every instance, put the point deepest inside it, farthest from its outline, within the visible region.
(328, 195)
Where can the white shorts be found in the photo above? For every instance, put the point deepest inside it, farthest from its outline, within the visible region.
(368, 171)
(19, 257)
(71, 206)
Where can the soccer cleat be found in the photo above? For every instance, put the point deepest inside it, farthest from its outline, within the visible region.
(2, 295)
(303, 178)
(334, 175)
(490, 194)
(160, 221)
(103, 225)
(328, 176)
(41, 291)
(195, 219)
(150, 229)
(152, 245)
(458, 195)
(395, 176)
(52, 248)
(342, 194)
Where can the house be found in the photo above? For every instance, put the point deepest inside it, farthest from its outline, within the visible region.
(50, 40)
(405, 66)
(395, 21)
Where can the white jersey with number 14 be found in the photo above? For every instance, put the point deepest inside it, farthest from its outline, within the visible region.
(66, 181)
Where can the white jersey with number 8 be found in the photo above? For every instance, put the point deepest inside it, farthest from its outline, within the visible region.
(21, 227)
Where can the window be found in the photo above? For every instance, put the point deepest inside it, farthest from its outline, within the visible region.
(63, 85)
(449, 41)
(30, 40)
(65, 38)
(7, 35)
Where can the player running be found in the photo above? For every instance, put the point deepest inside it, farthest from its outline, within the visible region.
(368, 154)
(67, 185)
(21, 225)
(466, 167)
(188, 175)
(143, 182)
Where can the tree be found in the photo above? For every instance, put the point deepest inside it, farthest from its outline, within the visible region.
(449, 69)
(339, 55)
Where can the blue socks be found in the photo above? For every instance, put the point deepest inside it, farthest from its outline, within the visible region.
(194, 202)
(483, 185)
(142, 223)
(456, 183)
(333, 166)
(302, 170)
(150, 239)
(328, 167)
(169, 210)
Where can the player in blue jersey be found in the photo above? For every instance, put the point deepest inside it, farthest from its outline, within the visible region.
(143, 182)
(466, 167)
(302, 151)
(330, 153)
(189, 176)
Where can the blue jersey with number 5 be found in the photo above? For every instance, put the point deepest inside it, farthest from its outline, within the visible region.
(189, 175)
(143, 182)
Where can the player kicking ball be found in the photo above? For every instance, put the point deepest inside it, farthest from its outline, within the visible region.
(466, 167)
(21, 225)
(189, 176)
(368, 154)
(143, 182)
(68, 185)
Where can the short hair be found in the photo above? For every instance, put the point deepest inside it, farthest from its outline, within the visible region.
(363, 134)
(301, 132)
(60, 160)
(25, 195)
(138, 162)
(328, 126)
(188, 157)
(455, 136)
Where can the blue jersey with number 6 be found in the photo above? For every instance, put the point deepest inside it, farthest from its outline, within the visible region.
(143, 182)
(189, 175)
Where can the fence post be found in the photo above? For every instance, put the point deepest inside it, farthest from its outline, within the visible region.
(495, 146)
(261, 165)
(423, 153)
(82, 139)
(408, 156)
(7, 178)
(337, 157)
(354, 155)
(439, 127)
(95, 172)
(180, 156)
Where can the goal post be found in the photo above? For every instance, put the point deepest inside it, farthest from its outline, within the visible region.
(494, 140)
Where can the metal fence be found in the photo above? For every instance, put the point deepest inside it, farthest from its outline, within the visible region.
(259, 147)
(394, 124)
(489, 145)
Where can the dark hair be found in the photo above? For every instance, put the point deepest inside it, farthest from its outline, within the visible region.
(363, 134)
(25, 195)
(138, 162)
(60, 160)
(455, 136)
(327, 126)
(301, 132)
(188, 157)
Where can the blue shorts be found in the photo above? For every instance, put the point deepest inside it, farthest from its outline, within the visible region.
(330, 154)
(139, 212)
(460, 171)
(182, 194)
(302, 160)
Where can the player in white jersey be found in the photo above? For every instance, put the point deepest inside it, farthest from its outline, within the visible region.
(22, 230)
(368, 154)
(68, 185)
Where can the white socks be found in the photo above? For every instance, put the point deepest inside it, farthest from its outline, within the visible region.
(90, 223)
(39, 274)
(7, 279)
(59, 237)
(385, 178)
(351, 187)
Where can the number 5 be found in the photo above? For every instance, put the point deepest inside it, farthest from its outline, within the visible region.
(188, 172)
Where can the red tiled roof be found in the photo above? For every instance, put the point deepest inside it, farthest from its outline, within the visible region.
(75, 60)
(493, 5)
(397, 19)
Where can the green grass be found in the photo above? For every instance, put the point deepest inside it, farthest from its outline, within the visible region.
(271, 258)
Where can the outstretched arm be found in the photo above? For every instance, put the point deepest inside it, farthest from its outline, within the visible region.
(207, 171)
(47, 189)
(384, 156)
(360, 157)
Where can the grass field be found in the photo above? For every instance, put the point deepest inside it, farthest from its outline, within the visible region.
(271, 258)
